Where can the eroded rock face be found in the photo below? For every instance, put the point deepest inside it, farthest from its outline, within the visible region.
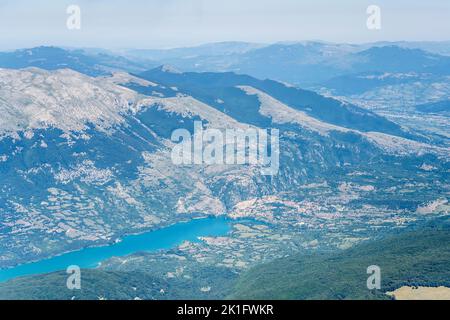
(64, 99)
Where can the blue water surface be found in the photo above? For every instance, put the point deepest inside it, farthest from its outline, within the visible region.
(90, 257)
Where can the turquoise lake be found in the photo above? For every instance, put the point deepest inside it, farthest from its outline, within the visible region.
(151, 241)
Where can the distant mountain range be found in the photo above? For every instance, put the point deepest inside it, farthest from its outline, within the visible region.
(53, 58)
(367, 74)
(300, 63)
(304, 63)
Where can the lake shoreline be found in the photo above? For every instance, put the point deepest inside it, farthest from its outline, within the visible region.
(222, 223)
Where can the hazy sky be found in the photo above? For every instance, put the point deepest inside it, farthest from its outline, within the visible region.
(172, 23)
